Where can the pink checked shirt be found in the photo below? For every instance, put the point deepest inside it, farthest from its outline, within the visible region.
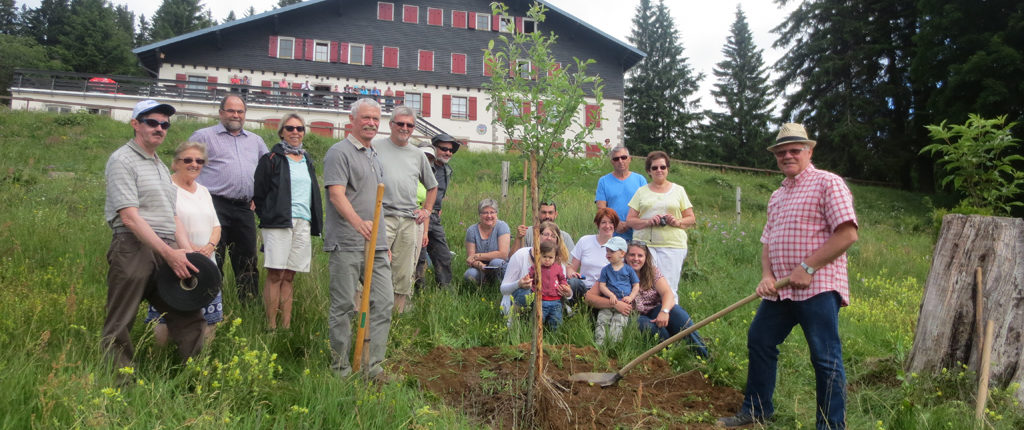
(802, 214)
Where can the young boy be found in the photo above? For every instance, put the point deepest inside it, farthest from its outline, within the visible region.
(552, 276)
(618, 281)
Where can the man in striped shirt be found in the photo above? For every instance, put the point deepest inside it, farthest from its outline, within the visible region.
(811, 224)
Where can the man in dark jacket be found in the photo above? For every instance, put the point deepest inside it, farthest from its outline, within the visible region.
(437, 245)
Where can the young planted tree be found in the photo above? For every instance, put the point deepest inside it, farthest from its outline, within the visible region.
(743, 130)
(538, 102)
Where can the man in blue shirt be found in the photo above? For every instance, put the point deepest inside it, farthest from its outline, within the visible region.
(616, 189)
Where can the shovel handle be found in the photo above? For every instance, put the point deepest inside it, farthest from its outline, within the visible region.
(675, 338)
(364, 302)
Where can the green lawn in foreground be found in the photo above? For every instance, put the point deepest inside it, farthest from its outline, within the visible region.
(52, 271)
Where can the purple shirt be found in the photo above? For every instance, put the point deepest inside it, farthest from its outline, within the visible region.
(231, 161)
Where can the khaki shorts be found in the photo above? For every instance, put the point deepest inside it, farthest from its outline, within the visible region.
(288, 248)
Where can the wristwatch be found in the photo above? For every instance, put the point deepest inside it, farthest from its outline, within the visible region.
(666, 310)
(808, 269)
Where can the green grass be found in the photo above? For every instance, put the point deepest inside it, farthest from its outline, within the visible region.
(52, 271)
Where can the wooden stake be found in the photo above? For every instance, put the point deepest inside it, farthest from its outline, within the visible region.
(979, 307)
(364, 304)
(986, 353)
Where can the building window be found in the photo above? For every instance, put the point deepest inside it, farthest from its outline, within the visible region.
(285, 47)
(483, 22)
(414, 101)
(390, 57)
(459, 19)
(321, 51)
(459, 64)
(410, 14)
(529, 25)
(59, 109)
(460, 108)
(524, 69)
(355, 53)
(435, 16)
(385, 11)
(197, 80)
(506, 24)
(515, 108)
(426, 63)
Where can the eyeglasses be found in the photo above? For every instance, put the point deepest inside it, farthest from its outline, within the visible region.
(662, 167)
(489, 213)
(620, 158)
(447, 149)
(154, 123)
(793, 152)
(297, 128)
(404, 124)
(233, 111)
(189, 160)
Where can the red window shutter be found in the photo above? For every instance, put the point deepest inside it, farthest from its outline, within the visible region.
(390, 57)
(593, 151)
(426, 63)
(446, 106)
(459, 19)
(266, 84)
(472, 20)
(322, 128)
(343, 53)
(386, 11)
(348, 129)
(309, 48)
(298, 52)
(435, 16)
(459, 64)
(425, 105)
(540, 110)
(472, 109)
(212, 80)
(519, 24)
(410, 14)
(554, 68)
(495, 22)
(368, 55)
(400, 94)
(487, 68)
(334, 52)
(273, 47)
(593, 113)
(271, 124)
(181, 77)
(533, 72)
(526, 109)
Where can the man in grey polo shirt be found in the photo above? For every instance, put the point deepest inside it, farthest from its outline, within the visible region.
(232, 156)
(139, 209)
(352, 171)
(406, 167)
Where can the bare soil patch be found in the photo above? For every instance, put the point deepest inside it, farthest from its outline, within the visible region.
(489, 384)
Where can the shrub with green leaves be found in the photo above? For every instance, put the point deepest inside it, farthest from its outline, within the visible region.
(978, 158)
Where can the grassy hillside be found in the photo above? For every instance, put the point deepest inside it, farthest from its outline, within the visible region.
(52, 270)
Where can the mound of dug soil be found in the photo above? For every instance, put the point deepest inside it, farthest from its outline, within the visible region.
(489, 384)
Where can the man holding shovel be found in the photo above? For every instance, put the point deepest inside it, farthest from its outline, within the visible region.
(352, 172)
(811, 224)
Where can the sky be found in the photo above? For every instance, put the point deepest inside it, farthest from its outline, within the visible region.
(703, 25)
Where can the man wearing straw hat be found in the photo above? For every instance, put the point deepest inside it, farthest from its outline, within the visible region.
(352, 171)
(811, 224)
(140, 210)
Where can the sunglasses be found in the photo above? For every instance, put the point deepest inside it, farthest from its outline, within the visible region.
(635, 242)
(404, 124)
(792, 152)
(620, 158)
(154, 123)
(662, 167)
(297, 128)
(189, 160)
(447, 149)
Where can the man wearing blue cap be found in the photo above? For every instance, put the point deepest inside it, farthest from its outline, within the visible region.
(139, 209)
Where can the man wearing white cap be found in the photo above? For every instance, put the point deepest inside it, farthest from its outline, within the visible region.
(811, 224)
(139, 209)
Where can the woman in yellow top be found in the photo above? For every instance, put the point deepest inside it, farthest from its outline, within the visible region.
(659, 214)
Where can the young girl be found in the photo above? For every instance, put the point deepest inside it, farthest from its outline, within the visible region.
(554, 285)
(617, 282)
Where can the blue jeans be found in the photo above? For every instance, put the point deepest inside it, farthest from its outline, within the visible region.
(478, 277)
(552, 313)
(678, 320)
(819, 319)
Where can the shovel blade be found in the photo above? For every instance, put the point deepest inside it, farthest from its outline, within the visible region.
(602, 379)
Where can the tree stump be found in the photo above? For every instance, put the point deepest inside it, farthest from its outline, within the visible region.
(947, 332)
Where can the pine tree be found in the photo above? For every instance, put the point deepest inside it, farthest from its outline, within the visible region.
(231, 17)
(659, 113)
(94, 42)
(283, 3)
(177, 17)
(8, 17)
(250, 11)
(46, 22)
(740, 134)
(142, 36)
(848, 62)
